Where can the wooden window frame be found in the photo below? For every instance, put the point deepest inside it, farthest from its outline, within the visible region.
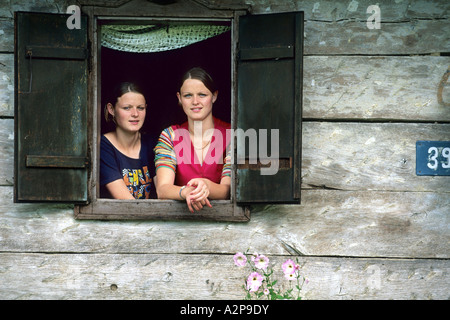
(150, 209)
(264, 42)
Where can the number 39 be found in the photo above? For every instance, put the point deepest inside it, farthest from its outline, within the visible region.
(433, 153)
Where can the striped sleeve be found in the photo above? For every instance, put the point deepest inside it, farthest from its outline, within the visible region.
(226, 170)
(164, 152)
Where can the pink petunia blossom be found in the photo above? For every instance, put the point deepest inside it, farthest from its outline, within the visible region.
(290, 276)
(288, 267)
(240, 259)
(261, 262)
(254, 281)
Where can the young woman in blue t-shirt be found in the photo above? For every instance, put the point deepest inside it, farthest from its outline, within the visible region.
(126, 158)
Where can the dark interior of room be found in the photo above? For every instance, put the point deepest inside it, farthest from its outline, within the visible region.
(159, 74)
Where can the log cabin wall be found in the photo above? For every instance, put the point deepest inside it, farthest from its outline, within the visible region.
(368, 227)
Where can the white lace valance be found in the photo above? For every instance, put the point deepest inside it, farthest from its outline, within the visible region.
(156, 38)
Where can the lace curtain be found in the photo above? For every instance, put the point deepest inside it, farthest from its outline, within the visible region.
(156, 38)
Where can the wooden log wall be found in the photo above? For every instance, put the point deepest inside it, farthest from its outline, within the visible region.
(367, 228)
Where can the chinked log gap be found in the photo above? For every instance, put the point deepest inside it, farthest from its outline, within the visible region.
(257, 164)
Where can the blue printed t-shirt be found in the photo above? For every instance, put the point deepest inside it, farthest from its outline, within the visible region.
(136, 173)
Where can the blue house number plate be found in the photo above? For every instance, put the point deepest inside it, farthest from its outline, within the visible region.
(433, 158)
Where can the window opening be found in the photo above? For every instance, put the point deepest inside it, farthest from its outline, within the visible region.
(155, 55)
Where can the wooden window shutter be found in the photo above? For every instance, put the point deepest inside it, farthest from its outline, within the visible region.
(51, 153)
(269, 97)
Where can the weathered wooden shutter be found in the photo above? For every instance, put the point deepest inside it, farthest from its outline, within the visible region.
(51, 154)
(269, 75)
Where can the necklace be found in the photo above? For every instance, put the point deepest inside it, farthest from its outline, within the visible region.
(203, 146)
(194, 134)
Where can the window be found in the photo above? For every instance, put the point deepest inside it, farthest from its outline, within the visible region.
(58, 130)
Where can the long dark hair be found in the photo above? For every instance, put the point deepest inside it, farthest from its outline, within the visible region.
(200, 74)
(118, 91)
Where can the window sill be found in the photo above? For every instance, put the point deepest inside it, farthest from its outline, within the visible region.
(111, 209)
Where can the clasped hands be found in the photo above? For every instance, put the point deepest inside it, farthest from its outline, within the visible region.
(196, 194)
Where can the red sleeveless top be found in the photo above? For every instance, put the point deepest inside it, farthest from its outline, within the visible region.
(188, 166)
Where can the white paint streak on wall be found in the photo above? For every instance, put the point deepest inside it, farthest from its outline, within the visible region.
(352, 6)
(370, 141)
(316, 7)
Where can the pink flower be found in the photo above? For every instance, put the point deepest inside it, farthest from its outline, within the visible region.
(261, 262)
(288, 267)
(290, 276)
(240, 259)
(254, 281)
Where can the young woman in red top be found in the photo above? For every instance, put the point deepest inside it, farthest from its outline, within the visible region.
(192, 160)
